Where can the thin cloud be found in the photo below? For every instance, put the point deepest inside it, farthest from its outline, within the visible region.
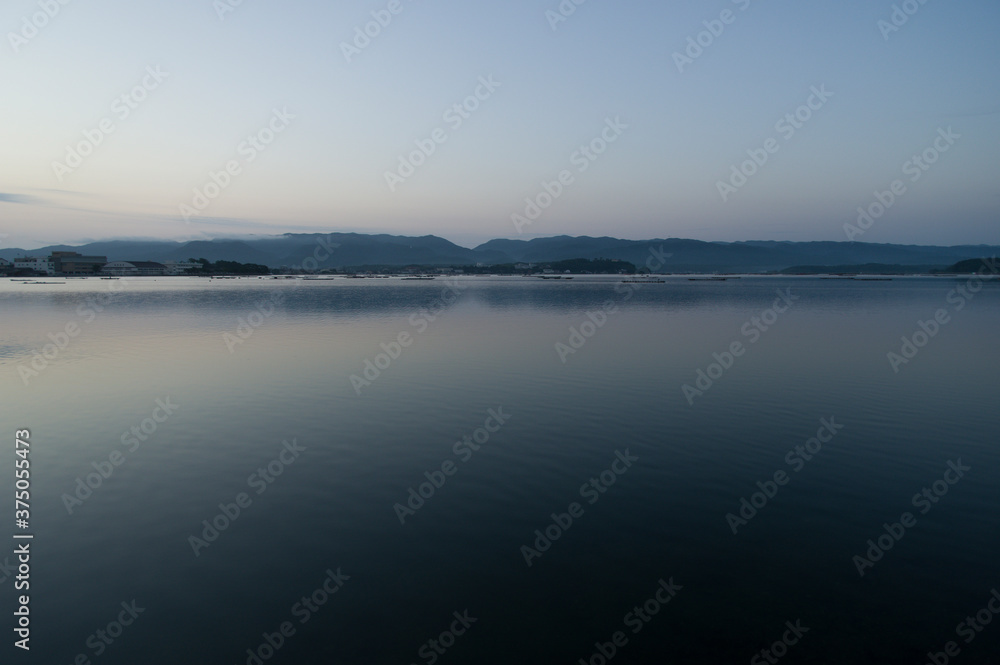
(252, 224)
(23, 199)
(972, 113)
(62, 192)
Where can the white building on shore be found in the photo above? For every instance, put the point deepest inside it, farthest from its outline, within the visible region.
(46, 266)
(179, 267)
(135, 269)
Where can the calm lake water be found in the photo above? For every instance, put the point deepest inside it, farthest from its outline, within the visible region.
(599, 418)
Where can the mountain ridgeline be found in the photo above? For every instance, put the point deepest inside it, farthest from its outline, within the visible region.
(347, 250)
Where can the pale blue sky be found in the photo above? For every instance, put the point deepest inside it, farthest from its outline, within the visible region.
(326, 170)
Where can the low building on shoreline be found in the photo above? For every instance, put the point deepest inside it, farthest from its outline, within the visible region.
(135, 269)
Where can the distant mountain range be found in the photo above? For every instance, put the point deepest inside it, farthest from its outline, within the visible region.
(356, 249)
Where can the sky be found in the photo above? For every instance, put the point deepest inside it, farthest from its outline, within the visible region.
(628, 119)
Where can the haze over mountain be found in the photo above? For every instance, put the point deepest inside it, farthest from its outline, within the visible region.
(354, 249)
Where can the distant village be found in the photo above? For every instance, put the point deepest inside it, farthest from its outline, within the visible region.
(75, 264)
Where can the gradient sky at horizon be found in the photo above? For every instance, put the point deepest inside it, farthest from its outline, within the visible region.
(326, 171)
